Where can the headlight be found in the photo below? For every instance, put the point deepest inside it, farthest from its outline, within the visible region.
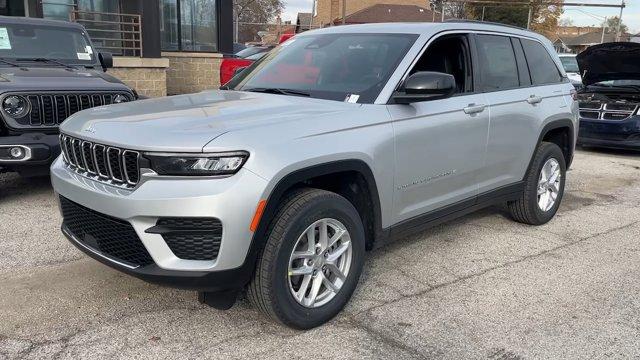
(120, 99)
(197, 164)
(15, 106)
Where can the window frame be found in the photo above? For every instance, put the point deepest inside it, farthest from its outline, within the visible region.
(515, 59)
(179, 30)
(546, 51)
(471, 60)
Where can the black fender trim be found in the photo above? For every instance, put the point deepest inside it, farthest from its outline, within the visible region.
(556, 124)
(299, 176)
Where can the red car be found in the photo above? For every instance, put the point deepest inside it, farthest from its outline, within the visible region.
(244, 58)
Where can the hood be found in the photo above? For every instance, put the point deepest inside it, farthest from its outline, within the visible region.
(56, 79)
(610, 61)
(186, 123)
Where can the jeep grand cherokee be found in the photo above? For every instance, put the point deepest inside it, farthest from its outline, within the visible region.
(337, 141)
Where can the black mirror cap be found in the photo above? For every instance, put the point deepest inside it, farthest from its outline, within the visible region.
(426, 85)
(106, 60)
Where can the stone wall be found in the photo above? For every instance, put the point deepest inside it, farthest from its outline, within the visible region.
(192, 72)
(147, 76)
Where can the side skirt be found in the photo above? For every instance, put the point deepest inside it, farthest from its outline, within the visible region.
(449, 212)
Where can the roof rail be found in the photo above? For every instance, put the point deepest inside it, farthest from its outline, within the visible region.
(485, 22)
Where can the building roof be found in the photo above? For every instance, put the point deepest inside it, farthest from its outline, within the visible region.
(591, 38)
(384, 13)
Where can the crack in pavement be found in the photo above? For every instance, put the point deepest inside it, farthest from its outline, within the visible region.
(497, 267)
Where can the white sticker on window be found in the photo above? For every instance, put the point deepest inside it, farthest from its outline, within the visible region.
(88, 49)
(84, 56)
(352, 98)
(5, 43)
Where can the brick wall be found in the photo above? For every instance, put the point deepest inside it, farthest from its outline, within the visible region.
(192, 72)
(147, 76)
(328, 10)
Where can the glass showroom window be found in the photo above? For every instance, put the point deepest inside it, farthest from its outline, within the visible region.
(189, 25)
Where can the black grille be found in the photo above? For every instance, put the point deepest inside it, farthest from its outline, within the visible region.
(607, 110)
(110, 236)
(50, 110)
(105, 163)
(191, 238)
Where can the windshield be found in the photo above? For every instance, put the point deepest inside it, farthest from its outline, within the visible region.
(569, 64)
(251, 51)
(28, 42)
(329, 66)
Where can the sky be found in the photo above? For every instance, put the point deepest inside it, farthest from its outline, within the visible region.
(585, 16)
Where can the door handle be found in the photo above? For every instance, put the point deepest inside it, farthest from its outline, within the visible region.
(534, 99)
(474, 108)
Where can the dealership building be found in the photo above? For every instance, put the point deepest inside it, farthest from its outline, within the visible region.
(160, 47)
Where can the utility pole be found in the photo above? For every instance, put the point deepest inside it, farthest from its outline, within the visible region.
(604, 26)
(529, 16)
(619, 23)
(344, 11)
(442, 12)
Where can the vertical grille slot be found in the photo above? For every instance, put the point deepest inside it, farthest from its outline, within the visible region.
(69, 150)
(87, 157)
(48, 111)
(34, 118)
(113, 162)
(85, 102)
(61, 108)
(74, 104)
(108, 99)
(97, 100)
(101, 160)
(130, 164)
(77, 153)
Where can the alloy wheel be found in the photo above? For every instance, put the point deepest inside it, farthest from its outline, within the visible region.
(549, 184)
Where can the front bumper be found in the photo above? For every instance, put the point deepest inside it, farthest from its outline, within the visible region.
(623, 134)
(41, 149)
(232, 200)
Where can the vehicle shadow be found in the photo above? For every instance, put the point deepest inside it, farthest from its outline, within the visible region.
(14, 186)
(611, 152)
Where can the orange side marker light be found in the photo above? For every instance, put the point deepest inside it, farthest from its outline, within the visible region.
(258, 215)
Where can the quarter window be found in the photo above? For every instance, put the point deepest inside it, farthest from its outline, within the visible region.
(542, 68)
(497, 63)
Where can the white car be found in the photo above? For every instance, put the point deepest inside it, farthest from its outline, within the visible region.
(570, 66)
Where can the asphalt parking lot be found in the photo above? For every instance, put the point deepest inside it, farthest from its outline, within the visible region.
(479, 287)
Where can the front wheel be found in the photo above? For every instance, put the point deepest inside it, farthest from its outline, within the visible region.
(312, 260)
(543, 188)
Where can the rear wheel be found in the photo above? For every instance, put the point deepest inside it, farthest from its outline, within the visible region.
(312, 259)
(544, 187)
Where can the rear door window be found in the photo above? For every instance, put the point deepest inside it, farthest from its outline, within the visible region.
(498, 69)
(542, 68)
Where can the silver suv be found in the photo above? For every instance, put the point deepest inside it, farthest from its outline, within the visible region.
(336, 142)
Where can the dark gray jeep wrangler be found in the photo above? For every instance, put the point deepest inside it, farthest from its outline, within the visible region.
(48, 71)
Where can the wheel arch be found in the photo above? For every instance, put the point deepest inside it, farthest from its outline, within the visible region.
(561, 132)
(301, 177)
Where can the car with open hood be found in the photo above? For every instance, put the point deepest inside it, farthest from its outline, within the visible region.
(610, 99)
(49, 70)
(336, 141)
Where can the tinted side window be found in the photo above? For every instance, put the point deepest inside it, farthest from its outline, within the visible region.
(523, 69)
(542, 68)
(497, 63)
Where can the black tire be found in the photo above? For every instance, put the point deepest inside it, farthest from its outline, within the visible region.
(269, 290)
(526, 209)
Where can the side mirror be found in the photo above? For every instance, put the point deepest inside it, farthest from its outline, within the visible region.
(426, 85)
(106, 60)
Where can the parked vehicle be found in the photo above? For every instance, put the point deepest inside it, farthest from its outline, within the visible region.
(48, 71)
(337, 142)
(610, 99)
(570, 66)
(230, 64)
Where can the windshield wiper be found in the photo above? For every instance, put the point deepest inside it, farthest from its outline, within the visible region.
(45, 60)
(9, 62)
(279, 91)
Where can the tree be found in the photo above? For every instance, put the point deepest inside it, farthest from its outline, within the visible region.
(565, 22)
(611, 25)
(544, 16)
(251, 14)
